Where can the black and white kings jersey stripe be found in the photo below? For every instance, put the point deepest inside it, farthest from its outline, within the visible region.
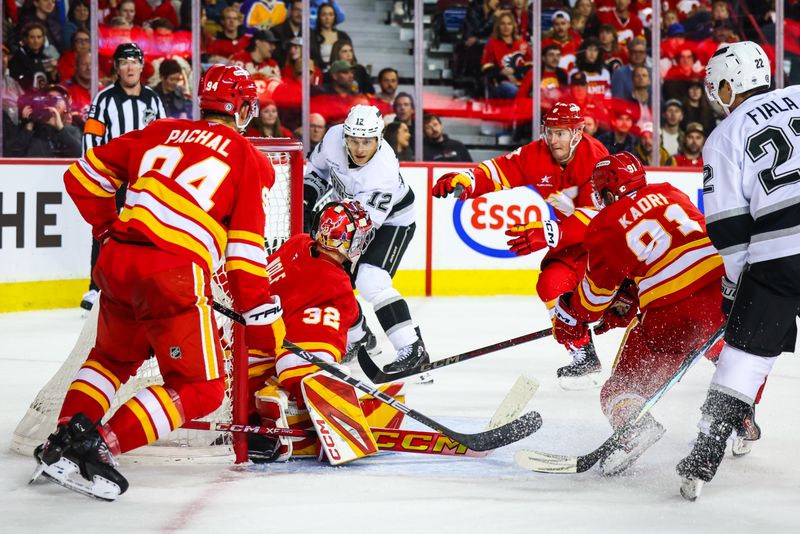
(751, 181)
(114, 112)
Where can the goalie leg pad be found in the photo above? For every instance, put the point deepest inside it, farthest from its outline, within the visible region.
(272, 405)
(379, 414)
(340, 423)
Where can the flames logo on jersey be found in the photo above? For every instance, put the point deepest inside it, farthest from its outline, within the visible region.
(515, 60)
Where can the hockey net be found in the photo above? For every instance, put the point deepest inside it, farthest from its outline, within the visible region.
(284, 218)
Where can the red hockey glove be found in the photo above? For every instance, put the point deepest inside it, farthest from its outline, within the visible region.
(533, 236)
(102, 233)
(449, 183)
(264, 327)
(622, 309)
(567, 329)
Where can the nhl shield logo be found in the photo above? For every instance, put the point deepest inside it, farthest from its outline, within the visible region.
(175, 353)
(150, 114)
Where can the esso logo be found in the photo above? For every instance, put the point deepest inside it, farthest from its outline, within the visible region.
(481, 223)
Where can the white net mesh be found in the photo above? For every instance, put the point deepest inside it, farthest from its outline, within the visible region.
(181, 445)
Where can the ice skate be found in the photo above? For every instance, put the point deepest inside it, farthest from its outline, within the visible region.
(408, 357)
(77, 458)
(583, 372)
(743, 437)
(370, 343)
(631, 445)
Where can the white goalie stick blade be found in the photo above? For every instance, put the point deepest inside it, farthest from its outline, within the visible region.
(515, 401)
(543, 462)
(66, 473)
(691, 488)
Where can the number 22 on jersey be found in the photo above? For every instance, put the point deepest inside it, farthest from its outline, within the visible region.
(200, 180)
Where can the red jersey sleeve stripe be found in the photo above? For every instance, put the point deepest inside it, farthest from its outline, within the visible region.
(241, 265)
(249, 237)
(92, 186)
(251, 252)
(93, 161)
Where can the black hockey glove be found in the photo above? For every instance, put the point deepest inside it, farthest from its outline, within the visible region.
(728, 295)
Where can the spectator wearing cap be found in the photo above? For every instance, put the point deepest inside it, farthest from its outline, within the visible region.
(437, 145)
(342, 82)
(697, 108)
(724, 32)
(671, 46)
(231, 39)
(263, 14)
(679, 76)
(506, 58)
(170, 90)
(591, 63)
(325, 35)
(579, 89)
(343, 51)
(671, 133)
(620, 139)
(691, 154)
(562, 35)
(622, 78)
(29, 66)
(644, 149)
(257, 57)
(627, 24)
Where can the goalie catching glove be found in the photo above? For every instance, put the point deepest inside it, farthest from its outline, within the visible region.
(449, 182)
(264, 327)
(536, 235)
(622, 309)
(567, 329)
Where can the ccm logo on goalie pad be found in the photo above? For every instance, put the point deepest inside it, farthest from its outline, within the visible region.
(327, 439)
(265, 314)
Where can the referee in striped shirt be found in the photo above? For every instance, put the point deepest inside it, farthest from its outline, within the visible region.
(123, 107)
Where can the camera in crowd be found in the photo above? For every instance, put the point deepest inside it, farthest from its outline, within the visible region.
(40, 105)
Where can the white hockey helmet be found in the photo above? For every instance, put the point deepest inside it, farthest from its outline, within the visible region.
(365, 122)
(743, 65)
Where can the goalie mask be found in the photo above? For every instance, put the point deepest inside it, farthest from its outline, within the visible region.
(343, 226)
(563, 120)
(619, 174)
(744, 66)
(363, 123)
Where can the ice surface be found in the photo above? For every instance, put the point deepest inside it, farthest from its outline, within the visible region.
(415, 493)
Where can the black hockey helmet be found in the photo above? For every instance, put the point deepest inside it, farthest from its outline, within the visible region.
(128, 51)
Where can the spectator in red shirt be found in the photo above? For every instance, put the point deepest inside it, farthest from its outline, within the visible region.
(79, 88)
(626, 23)
(677, 80)
(506, 57)
(692, 150)
(567, 40)
(231, 39)
(81, 42)
(257, 57)
(673, 44)
(724, 32)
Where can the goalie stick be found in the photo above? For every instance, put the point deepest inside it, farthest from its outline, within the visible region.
(377, 376)
(544, 462)
(490, 439)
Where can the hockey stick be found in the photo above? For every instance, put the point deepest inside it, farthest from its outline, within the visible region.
(544, 462)
(377, 376)
(481, 441)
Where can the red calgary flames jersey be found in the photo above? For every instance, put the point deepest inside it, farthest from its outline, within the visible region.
(656, 237)
(564, 188)
(195, 188)
(318, 301)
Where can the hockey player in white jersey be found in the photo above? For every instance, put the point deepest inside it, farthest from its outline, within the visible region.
(751, 194)
(353, 161)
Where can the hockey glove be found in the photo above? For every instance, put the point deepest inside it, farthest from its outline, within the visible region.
(449, 183)
(264, 327)
(567, 329)
(728, 295)
(536, 235)
(622, 309)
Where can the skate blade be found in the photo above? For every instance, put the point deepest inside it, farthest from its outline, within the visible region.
(66, 474)
(578, 383)
(36, 473)
(691, 488)
(375, 352)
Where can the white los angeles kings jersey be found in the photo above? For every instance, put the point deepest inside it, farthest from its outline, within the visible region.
(377, 185)
(751, 181)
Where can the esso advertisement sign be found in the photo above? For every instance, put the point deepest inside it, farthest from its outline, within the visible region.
(481, 223)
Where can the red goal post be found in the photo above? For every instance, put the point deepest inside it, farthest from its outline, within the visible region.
(284, 212)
